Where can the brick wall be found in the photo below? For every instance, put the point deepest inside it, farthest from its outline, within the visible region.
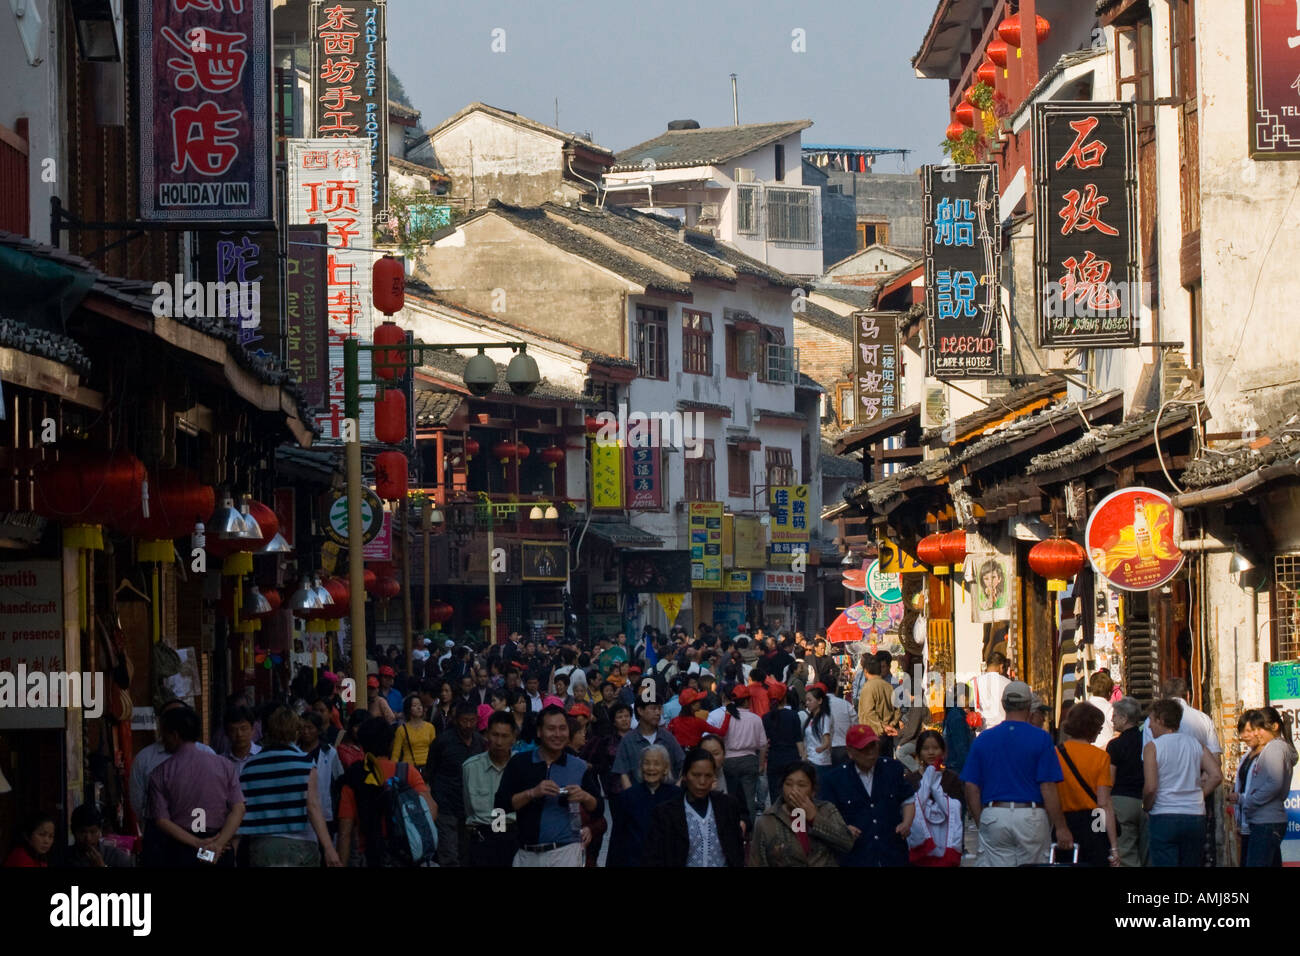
(824, 357)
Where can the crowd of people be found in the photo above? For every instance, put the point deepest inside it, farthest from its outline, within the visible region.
(716, 751)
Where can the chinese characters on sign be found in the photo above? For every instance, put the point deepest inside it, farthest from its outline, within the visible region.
(329, 182)
(1086, 249)
(875, 371)
(787, 581)
(963, 263)
(644, 490)
(606, 475)
(1273, 78)
(705, 526)
(789, 510)
(350, 81)
(246, 264)
(205, 111)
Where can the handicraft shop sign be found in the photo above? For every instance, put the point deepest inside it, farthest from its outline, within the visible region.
(963, 263)
(1086, 256)
(204, 81)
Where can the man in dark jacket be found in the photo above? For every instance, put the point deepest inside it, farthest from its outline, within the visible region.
(873, 798)
(825, 670)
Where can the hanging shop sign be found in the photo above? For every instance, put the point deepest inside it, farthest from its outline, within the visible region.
(963, 265)
(656, 572)
(306, 333)
(372, 512)
(738, 581)
(349, 86)
(1130, 539)
(750, 543)
(644, 483)
(875, 366)
(381, 547)
(245, 265)
(329, 182)
(789, 510)
(606, 475)
(545, 561)
(705, 526)
(1086, 249)
(1282, 685)
(31, 646)
(894, 560)
(672, 605)
(1273, 60)
(883, 587)
(784, 581)
(204, 82)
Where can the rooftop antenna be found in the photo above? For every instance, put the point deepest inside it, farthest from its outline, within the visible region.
(735, 102)
(557, 112)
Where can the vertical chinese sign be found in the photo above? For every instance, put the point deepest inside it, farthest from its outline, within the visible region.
(1273, 78)
(1086, 255)
(963, 263)
(247, 265)
(644, 488)
(329, 183)
(607, 475)
(350, 81)
(306, 338)
(205, 111)
(875, 366)
(705, 525)
(789, 510)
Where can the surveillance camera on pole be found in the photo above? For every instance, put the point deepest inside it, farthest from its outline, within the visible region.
(521, 374)
(481, 374)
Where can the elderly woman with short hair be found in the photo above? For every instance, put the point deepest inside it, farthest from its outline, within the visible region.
(633, 808)
(1125, 750)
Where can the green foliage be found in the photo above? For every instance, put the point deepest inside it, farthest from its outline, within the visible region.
(396, 91)
(982, 96)
(970, 147)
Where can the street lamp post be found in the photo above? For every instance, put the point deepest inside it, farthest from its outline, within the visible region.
(522, 377)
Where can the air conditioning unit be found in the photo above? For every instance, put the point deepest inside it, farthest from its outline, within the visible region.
(744, 175)
(710, 214)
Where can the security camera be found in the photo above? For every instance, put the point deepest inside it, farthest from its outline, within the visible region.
(480, 374)
(522, 375)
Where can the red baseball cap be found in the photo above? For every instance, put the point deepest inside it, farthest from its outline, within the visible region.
(372, 681)
(819, 686)
(579, 710)
(739, 692)
(387, 671)
(860, 737)
(689, 696)
(634, 669)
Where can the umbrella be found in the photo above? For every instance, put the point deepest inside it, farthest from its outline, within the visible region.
(855, 579)
(864, 621)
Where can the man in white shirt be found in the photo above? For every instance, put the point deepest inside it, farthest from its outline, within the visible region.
(988, 690)
(843, 716)
(1194, 724)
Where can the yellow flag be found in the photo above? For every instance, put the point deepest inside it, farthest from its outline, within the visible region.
(671, 603)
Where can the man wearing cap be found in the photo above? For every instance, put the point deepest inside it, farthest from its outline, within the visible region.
(1011, 775)
(375, 702)
(874, 799)
(386, 689)
(647, 733)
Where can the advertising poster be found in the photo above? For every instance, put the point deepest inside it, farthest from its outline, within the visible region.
(31, 640)
(990, 585)
(1283, 690)
(606, 476)
(875, 366)
(204, 81)
(705, 527)
(789, 511)
(1130, 539)
(644, 485)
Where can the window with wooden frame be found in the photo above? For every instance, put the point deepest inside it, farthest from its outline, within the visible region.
(652, 342)
(742, 351)
(844, 404)
(1134, 69)
(780, 362)
(872, 233)
(780, 468)
(1183, 46)
(737, 472)
(1137, 82)
(698, 473)
(697, 342)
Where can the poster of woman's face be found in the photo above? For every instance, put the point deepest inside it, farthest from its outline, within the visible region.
(991, 587)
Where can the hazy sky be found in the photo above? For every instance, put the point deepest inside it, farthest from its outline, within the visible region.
(622, 70)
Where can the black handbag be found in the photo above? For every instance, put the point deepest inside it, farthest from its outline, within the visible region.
(1094, 846)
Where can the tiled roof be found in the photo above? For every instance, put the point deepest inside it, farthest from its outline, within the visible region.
(1104, 440)
(899, 421)
(50, 345)
(878, 492)
(858, 296)
(518, 120)
(600, 358)
(321, 463)
(1221, 466)
(1002, 405)
(741, 263)
(435, 408)
(1067, 60)
(687, 405)
(823, 318)
(806, 381)
(839, 466)
(705, 147)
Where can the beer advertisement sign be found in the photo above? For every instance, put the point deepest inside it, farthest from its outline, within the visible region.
(1130, 539)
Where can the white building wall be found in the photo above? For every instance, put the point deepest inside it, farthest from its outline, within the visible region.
(33, 92)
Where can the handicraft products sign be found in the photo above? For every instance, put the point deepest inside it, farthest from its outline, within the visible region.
(350, 81)
(1086, 256)
(1130, 539)
(329, 182)
(204, 81)
(875, 366)
(963, 262)
(1273, 57)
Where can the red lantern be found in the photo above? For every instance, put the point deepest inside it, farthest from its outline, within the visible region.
(266, 520)
(953, 545)
(177, 501)
(91, 487)
(342, 595)
(987, 73)
(552, 456)
(998, 52)
(929, 550)
(370, 581)
(965, 114)
(1009, 30)
(1058, 560)
(390, 475)
(388, 285)
(969, 97)
(471, 448)
(389, 588)
(522, 451)
(503, 451)
(593, 424)
(482, 610)
(955, 131)
(390, 417)
(388, 364)
(440, 612)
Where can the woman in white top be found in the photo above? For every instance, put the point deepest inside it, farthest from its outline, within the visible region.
(1178, 774)
(746, 759)
(816, 721)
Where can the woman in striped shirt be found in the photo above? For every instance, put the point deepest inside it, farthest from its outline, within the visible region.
(283, 820)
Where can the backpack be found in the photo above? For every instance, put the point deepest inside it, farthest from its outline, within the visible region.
(412, 837)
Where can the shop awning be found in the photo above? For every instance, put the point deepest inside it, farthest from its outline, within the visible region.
(887, 427)
(621, 534)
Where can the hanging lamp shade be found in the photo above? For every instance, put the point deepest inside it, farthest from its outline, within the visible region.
(929, 550)
(255, 606)
(304, 600)
(87, 486)
(390, 475)
(987, 73)
(390, 417)
(267, 523)
(273, 602)
(1058, 560)
(226, 522)
(339, 592)
(388, 364)
(277, 545)
(953, 546)
(998, 52)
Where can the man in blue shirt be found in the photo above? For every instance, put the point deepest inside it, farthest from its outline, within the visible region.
(390, 693)
(1011, 775)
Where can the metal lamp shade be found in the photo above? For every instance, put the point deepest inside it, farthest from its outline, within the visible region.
(227, 523)
(276, 545)
(252, 531)
(304, 600)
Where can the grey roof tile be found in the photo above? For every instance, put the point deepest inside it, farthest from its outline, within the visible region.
(710, 146)
(434, 408)
(49, 345)
(1221, 466)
